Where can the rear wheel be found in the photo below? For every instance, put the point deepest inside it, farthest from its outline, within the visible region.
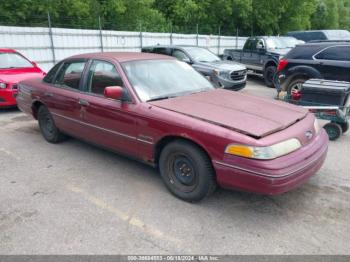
(187, 171)
(296, 85)
(333, 130)
(47, 126)
(269, 74)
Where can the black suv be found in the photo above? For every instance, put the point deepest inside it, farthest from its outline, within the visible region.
(323, 60)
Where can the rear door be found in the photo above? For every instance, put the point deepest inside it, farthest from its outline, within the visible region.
(110, 123)
(62, 96)
(334, 62)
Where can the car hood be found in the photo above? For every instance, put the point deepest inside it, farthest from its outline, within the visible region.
(16, 75)
(282, 52)
(224, 65)
(253, 116)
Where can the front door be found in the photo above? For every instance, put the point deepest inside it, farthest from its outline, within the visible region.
(111, 123)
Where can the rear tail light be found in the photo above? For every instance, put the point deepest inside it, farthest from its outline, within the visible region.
(282, 64)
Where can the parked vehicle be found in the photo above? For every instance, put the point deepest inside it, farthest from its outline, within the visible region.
(14, 67)
(261, 54)
(230, 75)
(312, 35)
(161, 111)
(328, 100)
(321, 60)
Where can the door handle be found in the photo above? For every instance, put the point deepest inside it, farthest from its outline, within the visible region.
(83, 102)
(47, 94)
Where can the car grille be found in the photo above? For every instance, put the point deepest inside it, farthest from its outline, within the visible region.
(238, 75)
(15, 87)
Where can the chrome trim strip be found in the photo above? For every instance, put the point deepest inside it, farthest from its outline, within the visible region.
(328, 47)
(97, 127)
(267, 175)
(144, 141)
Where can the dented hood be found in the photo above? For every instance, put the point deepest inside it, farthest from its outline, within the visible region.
(250, 115)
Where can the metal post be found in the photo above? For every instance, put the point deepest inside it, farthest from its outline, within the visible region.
(237, 38)
(51, 38)
(100, 28)
(141, 42)
(219, 38)
(197, 30)
(171, 34)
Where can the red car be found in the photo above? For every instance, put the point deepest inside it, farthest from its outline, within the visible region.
(161, 111)
(14, 67)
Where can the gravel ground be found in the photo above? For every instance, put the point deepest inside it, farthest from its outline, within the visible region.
(74, 198)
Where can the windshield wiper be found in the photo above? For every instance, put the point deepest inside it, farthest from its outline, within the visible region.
(159, 98)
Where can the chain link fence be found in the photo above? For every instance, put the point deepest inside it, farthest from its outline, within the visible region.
(46, 42)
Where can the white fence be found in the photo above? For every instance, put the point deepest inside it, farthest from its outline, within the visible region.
(46, 47)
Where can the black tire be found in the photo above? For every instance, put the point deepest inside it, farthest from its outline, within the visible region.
(344, 127)
(333, 130)
(296, 84)
(47, 126)
(269, 74)
(187, 171)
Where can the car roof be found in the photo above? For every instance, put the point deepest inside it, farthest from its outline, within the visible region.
(172, 46)
(7, 50)
(121, 56)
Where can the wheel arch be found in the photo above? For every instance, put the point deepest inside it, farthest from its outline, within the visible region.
(270, 63)
(35, 108)
(159, 146)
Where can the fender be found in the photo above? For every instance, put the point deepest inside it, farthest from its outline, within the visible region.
(305, 70)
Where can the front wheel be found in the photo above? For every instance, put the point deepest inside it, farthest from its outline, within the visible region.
(333, 130)
(187, 171)
(344, 127)
(47, 126)
(269, 74)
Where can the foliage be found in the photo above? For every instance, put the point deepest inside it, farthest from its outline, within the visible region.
(265, 17)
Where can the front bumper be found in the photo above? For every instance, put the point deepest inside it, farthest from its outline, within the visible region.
(232, 85)
(8, 97)
(277, 176)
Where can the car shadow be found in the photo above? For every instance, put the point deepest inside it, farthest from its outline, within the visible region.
(9, 110)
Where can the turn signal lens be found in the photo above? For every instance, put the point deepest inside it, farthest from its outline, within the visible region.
(240, 150)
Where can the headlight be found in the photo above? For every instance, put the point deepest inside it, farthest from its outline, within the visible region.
(316, 126)
(269, 152)
(225, 74)
(2, 85)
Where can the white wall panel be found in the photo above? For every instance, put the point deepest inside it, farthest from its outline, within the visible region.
(35, 42)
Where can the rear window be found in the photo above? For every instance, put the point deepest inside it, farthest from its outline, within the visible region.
(303, 52)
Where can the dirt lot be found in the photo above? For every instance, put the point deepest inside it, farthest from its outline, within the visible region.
(74, 198)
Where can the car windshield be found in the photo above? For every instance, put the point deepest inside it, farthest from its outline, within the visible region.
(13, 60)
(161, 79)
(281, 42)
(201, 54)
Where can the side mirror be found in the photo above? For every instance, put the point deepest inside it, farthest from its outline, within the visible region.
(187, 60)
(260, 46)
(114, 92)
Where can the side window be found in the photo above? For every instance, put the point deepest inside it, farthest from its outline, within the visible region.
(248, 44)
(339, 53)
(162, 50)
(102, 74)
(70, 74)
(180, 55)
(52, 73)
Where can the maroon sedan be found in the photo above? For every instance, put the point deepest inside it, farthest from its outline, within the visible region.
(162, 112)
